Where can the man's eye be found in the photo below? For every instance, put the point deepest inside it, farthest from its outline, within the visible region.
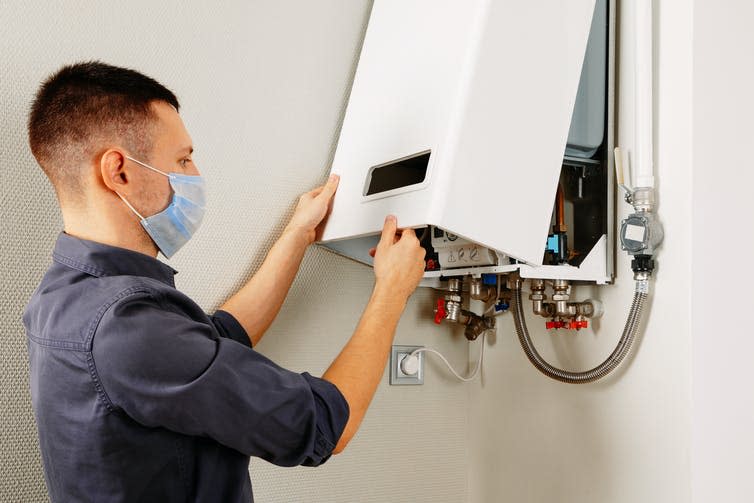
(184, 161)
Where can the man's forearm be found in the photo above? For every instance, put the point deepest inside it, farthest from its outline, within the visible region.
(258, 302)
(256, 305)
(358, 369)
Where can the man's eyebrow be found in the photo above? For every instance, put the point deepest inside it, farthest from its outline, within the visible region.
(189, 149)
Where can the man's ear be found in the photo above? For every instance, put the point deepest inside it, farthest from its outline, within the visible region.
(112, 170)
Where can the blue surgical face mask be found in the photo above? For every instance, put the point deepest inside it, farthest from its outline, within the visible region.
(173, 227)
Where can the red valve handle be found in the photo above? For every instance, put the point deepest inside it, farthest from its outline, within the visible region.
(572, 325)
(440, 313)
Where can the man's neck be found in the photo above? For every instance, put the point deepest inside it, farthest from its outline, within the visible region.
(121, 230)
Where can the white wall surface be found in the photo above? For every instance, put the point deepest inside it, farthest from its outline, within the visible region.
(722, 244)
(625, 439)
(263, 85)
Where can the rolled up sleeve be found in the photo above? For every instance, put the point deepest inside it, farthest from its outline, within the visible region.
(164, 369)
(227, 326)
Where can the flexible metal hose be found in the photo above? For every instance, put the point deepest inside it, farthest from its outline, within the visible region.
(601, 370)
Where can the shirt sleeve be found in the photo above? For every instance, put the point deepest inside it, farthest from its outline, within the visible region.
(164, 369)
(227, 326)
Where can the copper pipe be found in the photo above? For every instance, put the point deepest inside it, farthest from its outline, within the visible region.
(560, 225)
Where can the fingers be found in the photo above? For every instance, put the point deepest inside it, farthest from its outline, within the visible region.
(373, 251)
(328, 190)
(388, 231)
(391, 233)
(409, 239)
(408, 234)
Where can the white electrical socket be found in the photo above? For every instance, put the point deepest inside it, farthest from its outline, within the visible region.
(397, 376)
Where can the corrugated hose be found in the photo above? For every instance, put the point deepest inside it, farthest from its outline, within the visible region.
(601, 370)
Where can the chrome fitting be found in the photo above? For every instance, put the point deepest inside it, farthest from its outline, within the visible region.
(455, 284)
(453, 308)
(643, 199)
(479, 291)
(538, 290)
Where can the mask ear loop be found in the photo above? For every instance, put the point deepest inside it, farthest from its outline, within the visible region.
(131, 207)
(148, 166)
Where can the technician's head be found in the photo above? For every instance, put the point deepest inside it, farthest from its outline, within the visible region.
(92, 128)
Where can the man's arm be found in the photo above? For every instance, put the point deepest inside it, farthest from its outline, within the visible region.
(398, 268)
(257, 304)
(209, 386)
(357, 371)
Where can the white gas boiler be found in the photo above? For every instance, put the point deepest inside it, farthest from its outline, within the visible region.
(488, 127)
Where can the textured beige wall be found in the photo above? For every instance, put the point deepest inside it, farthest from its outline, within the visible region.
(263, 85)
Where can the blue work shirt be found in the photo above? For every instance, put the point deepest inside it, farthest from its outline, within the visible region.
(141, 396)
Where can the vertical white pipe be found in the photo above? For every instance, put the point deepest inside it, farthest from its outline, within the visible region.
(643, 154)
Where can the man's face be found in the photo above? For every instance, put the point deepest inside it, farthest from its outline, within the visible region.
(171, 153)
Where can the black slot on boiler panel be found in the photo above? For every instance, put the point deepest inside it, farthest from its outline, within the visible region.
(401, 173)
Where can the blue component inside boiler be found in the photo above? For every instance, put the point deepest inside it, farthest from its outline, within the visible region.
(553, 245)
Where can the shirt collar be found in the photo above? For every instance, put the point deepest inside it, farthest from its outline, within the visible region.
(99, 260)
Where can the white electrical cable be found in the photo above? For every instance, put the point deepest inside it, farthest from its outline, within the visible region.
(450, 367)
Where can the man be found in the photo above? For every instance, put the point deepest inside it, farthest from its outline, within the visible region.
(137, 393)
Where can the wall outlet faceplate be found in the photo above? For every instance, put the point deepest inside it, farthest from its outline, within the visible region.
(397, 377)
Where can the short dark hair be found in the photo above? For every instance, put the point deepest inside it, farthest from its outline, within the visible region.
(84, 104)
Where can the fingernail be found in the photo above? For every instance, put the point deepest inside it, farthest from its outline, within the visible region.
(333, 177)
(389, 218)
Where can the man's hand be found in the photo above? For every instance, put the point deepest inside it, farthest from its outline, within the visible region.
(312, 209)
(398, 260)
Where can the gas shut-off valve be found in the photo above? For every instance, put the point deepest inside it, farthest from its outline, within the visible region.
(562, 313)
